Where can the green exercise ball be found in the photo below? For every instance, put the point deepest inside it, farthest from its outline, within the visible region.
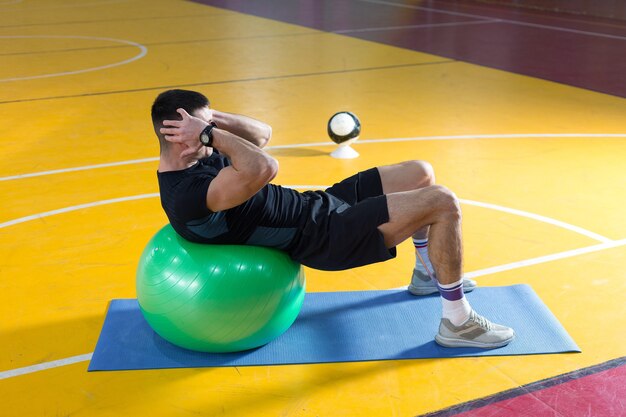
(217, 298)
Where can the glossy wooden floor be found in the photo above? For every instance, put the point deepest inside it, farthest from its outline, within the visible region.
(540, 168)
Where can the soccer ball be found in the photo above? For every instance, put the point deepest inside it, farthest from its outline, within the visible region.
(343, 126)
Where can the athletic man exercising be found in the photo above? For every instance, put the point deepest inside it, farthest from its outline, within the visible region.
(214, 180)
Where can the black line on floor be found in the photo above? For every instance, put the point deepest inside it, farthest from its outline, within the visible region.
(230, 38)
(526, 389)
(242, 80)
(81, 22)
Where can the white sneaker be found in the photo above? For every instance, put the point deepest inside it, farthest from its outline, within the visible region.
(477, 331)
(421, 284)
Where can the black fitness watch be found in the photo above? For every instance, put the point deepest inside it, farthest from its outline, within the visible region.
(206, 136)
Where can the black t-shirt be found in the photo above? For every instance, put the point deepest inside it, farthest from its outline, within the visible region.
(271, 217)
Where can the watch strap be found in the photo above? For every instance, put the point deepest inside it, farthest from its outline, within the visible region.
(207, 133)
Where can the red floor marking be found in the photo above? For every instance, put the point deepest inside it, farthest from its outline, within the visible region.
(602, 394)
(579, 52)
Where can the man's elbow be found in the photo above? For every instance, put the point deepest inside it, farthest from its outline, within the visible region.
(264, 137)
(260, 173)
(269, 169)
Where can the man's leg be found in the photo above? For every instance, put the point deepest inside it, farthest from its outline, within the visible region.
(408, 176)
(438, 208)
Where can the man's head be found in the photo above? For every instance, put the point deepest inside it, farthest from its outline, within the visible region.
(165, 105)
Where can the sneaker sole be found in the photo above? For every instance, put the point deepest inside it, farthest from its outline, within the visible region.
(449, 342)
(427, 291)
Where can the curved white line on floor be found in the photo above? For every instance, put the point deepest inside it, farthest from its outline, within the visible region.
(547, 258)
(360, 142)
(142, 52)
(74, 169)
(540, 218)
(516, 212)
(75, 208)
(542, 259)
(111, 201)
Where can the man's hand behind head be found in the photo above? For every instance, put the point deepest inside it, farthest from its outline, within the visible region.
(185, 131)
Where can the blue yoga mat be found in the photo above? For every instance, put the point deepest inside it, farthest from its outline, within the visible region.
(342, 327)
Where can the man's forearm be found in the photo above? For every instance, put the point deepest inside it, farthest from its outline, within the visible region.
(245, 127)
(244, 156)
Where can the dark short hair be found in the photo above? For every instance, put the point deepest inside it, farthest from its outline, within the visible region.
(165, 105)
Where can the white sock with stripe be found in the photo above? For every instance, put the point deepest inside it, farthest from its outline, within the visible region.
(456, 308)
(422, 261)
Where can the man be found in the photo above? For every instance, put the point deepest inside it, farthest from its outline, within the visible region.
(214, 180)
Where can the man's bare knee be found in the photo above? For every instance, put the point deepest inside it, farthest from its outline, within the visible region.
(427, 170)
(412, 210)
(425, 174)
(445, 201)
(421, 171)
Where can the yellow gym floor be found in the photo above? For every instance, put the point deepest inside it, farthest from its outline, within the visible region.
(540, 168)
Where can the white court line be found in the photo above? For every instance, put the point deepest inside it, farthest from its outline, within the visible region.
(459, 137)
(562, 29)
(105, 202)
(514, 22)
(142, 52)
(542, 259)
(328, 143)
(606, 245)
(74, 208)
(74, 169)
(521, 213)
(431, 25)
(547, 258)
(544, 219)
(540, 218)
(492, 270)
(535, 261)
(409, 6)
(44, 366)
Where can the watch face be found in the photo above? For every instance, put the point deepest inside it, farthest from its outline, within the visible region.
(204, 138)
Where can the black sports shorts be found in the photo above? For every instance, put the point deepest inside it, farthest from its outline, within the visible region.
(340, 229)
